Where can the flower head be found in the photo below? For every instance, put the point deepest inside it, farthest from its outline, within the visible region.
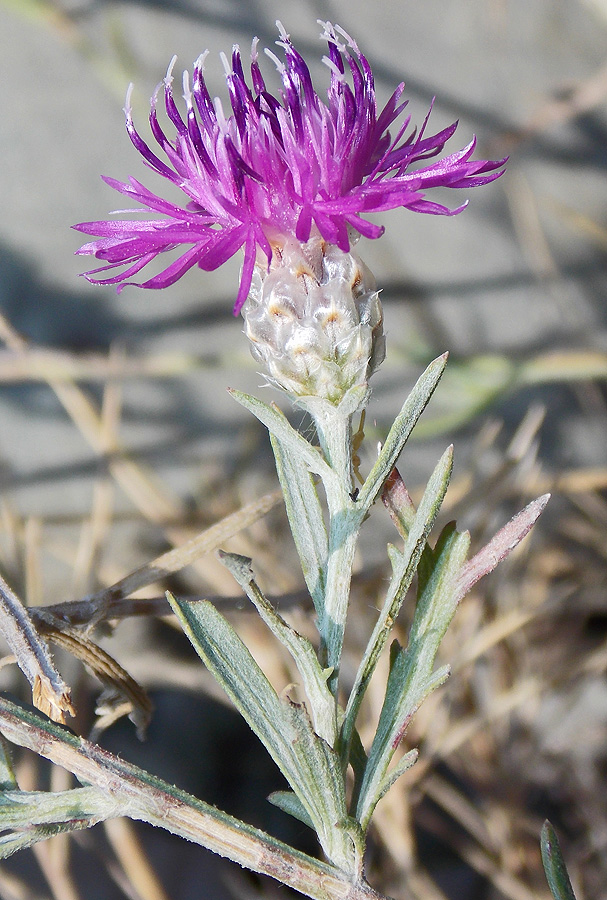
(276, 168)
(315, 320)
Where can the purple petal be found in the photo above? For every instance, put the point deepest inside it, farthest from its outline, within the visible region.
(280, 164)
(246, 275)
(171, 274)
(143, 261)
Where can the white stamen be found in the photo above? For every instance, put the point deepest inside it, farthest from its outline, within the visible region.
(128, 109)
(187, 94)
(168, 79)
(329, 34)
(279, 65)
(199, 64)
(254, 53)
(221, 118)
(282, 31)
(226, 65)
(157, 90)
(350, 40)
(331, 65)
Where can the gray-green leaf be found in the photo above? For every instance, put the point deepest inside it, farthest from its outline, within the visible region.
(399, 433)
(278, 425)
(404, 566)
(314, 677)
(412, 676)
(305, 518)
(308, 763)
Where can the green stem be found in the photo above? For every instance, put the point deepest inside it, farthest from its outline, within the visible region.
(342, 547)
(335, 435)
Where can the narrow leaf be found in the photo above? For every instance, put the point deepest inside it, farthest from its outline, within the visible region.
(398, 435)
(405, 565)
(408, 760)
(498, 548)
(554, 865)
(438, 597)
(277, 424)
(305, 759)
(291, 804)
(306, 520)
(233, 667)
(322, 791)
(21, 840)
(314, 677)
(32, 816)
(412, 677)
(18, 809)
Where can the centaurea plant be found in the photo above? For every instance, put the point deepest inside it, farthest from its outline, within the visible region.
(291, 179)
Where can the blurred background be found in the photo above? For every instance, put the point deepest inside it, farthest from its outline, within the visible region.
(118, 440)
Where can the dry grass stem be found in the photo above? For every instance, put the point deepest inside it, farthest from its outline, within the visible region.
(177, 559)
(133, 859)
(46, 365)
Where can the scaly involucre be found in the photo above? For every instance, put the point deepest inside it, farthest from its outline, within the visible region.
(278, 167)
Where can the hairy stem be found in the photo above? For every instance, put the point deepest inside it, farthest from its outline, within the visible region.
(149, 799)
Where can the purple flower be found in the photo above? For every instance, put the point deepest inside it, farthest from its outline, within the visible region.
(277, 167)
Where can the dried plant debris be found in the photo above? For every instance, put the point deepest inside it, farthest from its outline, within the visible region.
(50, 693)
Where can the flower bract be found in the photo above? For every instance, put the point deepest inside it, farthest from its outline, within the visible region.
(279, 166)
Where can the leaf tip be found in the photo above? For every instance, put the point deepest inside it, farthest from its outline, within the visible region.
(554, 864)
(240, 566)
